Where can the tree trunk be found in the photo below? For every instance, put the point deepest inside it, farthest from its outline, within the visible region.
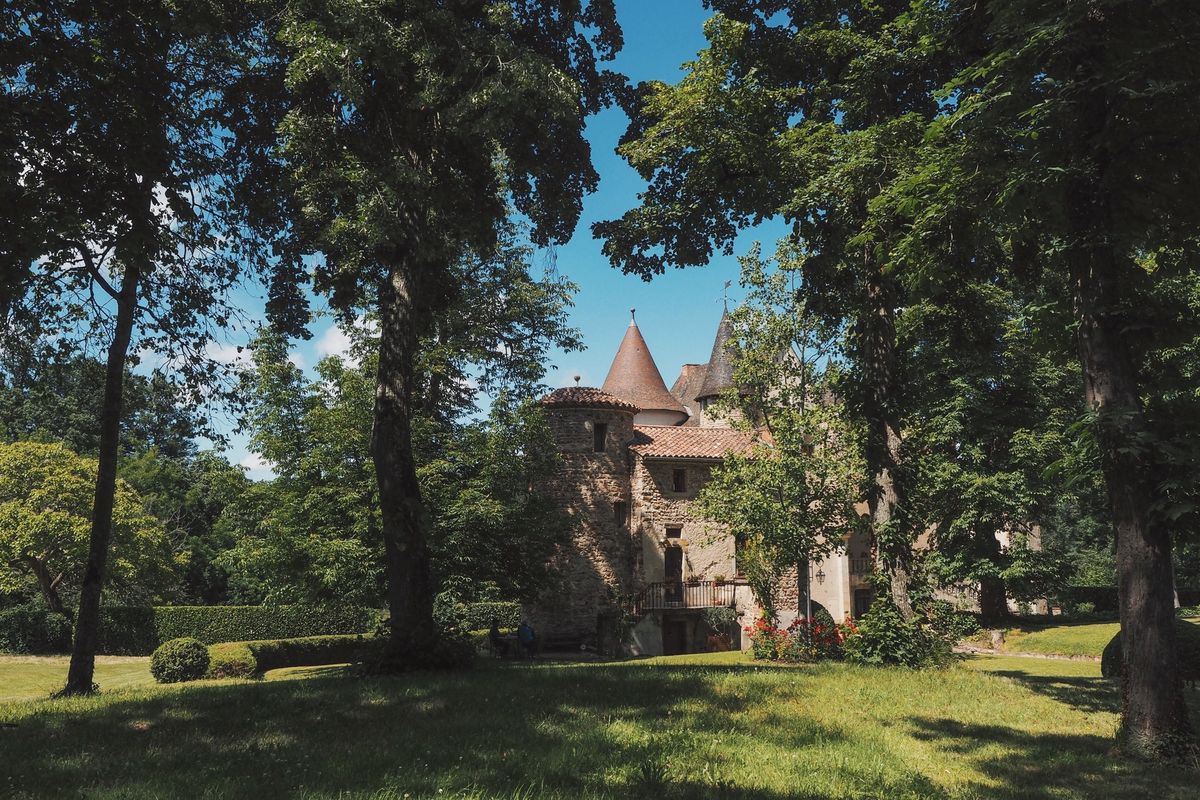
(47, 584)
(993, 594)
(1154, 720)
(893, 544)
(409, 590)
(87, 620)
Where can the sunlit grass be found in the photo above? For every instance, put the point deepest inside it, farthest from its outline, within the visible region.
(714, 725)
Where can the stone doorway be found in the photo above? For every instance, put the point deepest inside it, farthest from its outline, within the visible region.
(675, 637)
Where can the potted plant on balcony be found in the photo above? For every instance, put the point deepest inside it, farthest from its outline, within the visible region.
(719, 579)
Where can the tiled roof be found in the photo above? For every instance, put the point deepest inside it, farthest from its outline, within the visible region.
(663, 441)
(687, 386)
(635, 378)
(585, 397)
(719, 375)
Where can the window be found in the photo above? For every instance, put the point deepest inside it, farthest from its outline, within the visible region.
(674, 533)
(599, 436)
(620, 512)
(679, 480)
(862, 601)
(738, 544)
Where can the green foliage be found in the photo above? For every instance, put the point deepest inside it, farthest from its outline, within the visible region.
(46, 494)
(139, 630)
(884, 638)
(178, 660)
(56, 396)
(33, 630)
(314, 534)
(720, 618)
(479, 616)
(1187, 648)
(792, 500)
(231, 660)
(253, 658)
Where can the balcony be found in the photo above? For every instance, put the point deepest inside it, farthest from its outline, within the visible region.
(862, 566)
(684, 594)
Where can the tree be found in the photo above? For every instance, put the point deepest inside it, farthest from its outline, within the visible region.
(808, 112)
(128, 123)
(792, 499)
(189, 497)
(57, 397)
(414, 126)
(313, 533)
(1070, 121)
(45, 507)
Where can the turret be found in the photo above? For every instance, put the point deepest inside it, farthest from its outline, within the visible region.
(634, 378)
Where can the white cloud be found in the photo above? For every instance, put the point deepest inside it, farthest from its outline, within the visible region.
(228, 353)
(257, 467)
(335, 341)
(297, 360)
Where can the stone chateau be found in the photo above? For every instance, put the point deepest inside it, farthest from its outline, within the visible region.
(634, 456)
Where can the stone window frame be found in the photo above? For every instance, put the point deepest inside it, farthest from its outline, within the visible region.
(599, 437)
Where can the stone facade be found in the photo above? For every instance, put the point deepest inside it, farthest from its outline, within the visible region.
(640, 550)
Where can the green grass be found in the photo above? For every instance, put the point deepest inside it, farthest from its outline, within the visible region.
(32, 677)
(1080, 639)
(692, 726)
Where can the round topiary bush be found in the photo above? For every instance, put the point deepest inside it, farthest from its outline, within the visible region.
(178, 660)
(1187, 640)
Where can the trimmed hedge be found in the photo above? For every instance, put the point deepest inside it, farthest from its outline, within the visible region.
(479, 616)
(138, 631)
(34, 631)
(252, 659)
(179, 660)
(1187, 642)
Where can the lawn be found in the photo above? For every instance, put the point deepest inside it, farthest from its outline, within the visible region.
(1083, 639)
(708, 726)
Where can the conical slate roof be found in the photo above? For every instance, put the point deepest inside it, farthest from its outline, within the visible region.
(634, 377)
(719, 375)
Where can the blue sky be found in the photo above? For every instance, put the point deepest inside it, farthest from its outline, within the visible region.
(678, 311)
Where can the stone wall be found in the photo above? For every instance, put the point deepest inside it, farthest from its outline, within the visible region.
(596, 566)
(708, 547)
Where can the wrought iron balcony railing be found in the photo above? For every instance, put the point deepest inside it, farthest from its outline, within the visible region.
(685, 594)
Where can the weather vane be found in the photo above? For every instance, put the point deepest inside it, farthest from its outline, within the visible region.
(725, 294)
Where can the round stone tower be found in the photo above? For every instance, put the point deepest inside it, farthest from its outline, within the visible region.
(592, 430)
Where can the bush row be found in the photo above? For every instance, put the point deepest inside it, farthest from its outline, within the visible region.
(128, 630)
(1102, 600)
(34, 631)
(252, 659)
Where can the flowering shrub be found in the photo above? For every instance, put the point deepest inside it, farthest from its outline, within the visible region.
(805, 640)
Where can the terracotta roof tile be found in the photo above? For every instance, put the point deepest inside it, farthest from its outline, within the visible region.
(585, 397)
(635, 378)
(664, 441)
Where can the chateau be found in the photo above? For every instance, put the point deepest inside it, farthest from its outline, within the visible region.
(634, 456)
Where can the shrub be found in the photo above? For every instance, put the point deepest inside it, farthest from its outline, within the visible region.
(34, 631)
(1187, 642)
(883, 638)
(767, 641)
(949, 623)
(178, 660)
(231, 660)
(133, 630)
(252, 659)
(815, 639)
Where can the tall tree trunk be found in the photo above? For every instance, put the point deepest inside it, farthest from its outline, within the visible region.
(47, 584)
(87, 620)
(993, 594)
(893, 543)
(403, 315)
(1154, 720)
